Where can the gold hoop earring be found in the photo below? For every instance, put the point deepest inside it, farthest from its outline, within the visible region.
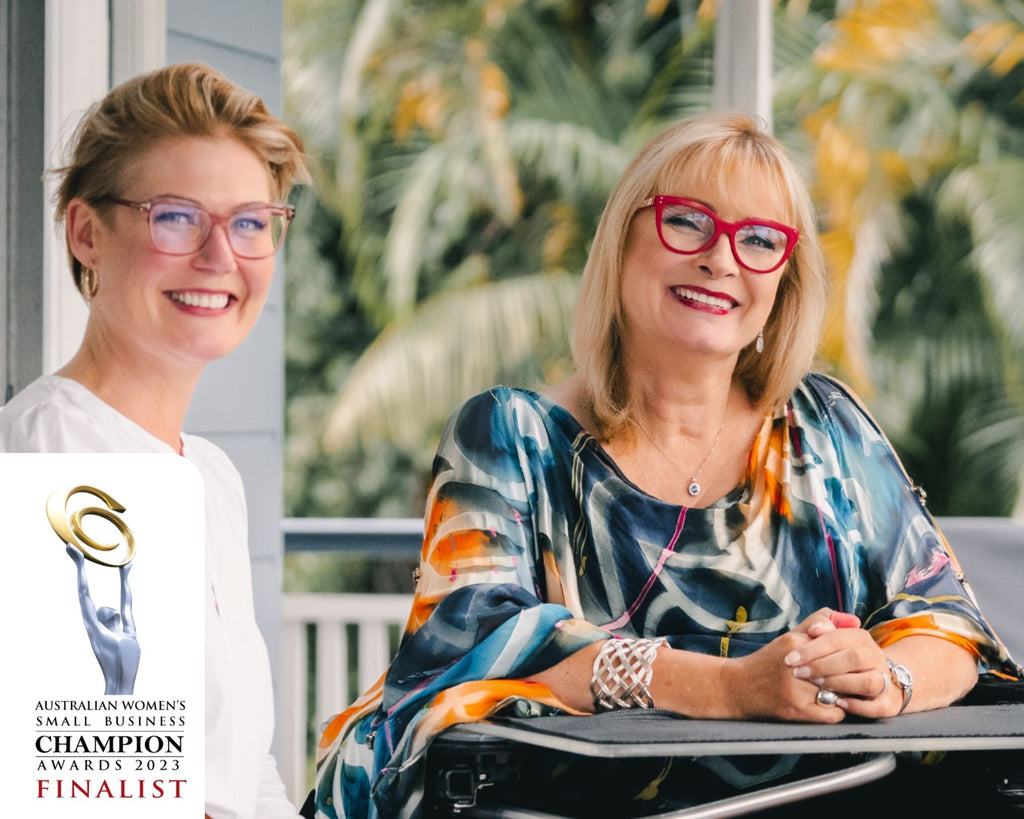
(88, 283)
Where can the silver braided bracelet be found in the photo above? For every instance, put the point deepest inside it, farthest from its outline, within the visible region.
(622, 673)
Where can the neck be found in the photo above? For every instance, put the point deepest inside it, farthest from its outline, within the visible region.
(153, 394)
(682, 409)
(681, 401)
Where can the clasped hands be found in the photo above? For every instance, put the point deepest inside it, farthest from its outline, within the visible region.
(822, 670)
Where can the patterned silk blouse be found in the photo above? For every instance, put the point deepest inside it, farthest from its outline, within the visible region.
(537, 545)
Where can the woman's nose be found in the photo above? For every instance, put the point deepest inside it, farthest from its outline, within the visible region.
(719, 260)
(216, 253)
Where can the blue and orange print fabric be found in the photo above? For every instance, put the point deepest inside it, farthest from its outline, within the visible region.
(536, 545)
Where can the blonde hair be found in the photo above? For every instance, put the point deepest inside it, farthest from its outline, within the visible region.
(704, 148)
(183, 100)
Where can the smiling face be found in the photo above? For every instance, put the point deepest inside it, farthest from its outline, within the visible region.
(180, 310)
(704, 303)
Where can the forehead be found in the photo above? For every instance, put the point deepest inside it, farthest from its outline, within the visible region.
(739, 189)
(216, 171)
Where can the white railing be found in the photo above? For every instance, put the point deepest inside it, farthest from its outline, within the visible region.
(352, 637)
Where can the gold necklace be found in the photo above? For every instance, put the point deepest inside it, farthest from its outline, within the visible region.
(694, 488)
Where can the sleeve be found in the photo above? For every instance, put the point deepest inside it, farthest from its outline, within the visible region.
(481, 620)
(905, 579)
(52, 427)
(487, 553)
(271, 799)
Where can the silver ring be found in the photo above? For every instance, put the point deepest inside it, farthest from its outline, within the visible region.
(826, 697)
(885, 679)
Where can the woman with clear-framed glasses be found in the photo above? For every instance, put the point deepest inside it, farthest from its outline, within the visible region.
(694, 521)
(173, 204)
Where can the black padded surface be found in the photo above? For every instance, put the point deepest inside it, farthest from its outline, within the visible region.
(641, 733)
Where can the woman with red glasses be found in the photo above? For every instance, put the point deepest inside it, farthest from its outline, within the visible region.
(694, 521)
(172, 203)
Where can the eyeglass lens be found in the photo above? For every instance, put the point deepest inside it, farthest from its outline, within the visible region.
(687, 229)
(179, 228)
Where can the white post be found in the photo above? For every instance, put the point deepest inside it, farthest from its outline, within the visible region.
(138, 38)
(77, 45)
(743, 58)
(293, 720)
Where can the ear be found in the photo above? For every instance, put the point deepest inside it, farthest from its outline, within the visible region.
(83, 227)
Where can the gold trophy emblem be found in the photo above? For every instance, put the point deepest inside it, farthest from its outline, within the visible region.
(111, 632)
(70, 530)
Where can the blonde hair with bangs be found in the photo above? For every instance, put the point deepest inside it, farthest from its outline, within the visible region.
(704, 148)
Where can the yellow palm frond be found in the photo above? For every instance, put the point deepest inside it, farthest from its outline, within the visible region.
(423, 104)
(995, 43)
(873, 34)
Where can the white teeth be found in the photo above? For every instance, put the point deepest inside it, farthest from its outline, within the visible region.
(212, 301)
(703, 298)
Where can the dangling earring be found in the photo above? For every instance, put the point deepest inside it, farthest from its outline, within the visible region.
(759, 344)
(88, 283)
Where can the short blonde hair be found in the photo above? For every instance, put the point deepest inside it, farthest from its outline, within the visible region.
(705, 147)
(183, 100)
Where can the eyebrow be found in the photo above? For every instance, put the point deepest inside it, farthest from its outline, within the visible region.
(189, 201)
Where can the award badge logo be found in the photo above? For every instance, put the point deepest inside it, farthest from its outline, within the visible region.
(104, 713)
(111, 632)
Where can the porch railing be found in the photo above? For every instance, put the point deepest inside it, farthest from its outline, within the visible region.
(335, 646)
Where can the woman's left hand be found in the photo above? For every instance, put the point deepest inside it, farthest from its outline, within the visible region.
(846, 663)
(843, 658)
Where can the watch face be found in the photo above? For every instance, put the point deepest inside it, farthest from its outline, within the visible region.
(902, 675)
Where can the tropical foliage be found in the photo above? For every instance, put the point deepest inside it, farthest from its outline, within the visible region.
(463, 151)
(917, 123)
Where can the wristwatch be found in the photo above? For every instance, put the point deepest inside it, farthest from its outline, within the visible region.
(904, 679)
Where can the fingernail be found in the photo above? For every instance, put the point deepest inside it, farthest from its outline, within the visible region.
(792, 658)
(802, 673)
(843, 620)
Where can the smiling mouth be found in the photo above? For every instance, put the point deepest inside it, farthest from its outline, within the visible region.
(703, 298)
(209, 301)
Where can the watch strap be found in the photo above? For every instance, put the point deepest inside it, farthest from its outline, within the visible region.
(904, 679)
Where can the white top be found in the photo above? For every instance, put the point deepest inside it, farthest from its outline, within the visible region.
(55, 414)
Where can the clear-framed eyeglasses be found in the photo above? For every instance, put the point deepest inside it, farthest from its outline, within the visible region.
(179, 227)
(688, 227)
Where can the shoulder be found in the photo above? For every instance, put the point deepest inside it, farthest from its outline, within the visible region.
(498, 405)
(831, 413)
(207, 455)
(573, 397)
(52, 414)
(833, 401)
(504, 422)
(220, 475)
(501, 397)
(823, 390)
(521, 412)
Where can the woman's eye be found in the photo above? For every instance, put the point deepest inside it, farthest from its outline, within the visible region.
(176, 216)
(762, 237)
(249, 223)
(688, 220)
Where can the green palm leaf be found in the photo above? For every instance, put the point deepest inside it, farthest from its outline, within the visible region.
(990, 196)
(456, 344)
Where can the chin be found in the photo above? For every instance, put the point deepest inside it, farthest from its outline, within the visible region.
(215, 343)
(203, 354)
